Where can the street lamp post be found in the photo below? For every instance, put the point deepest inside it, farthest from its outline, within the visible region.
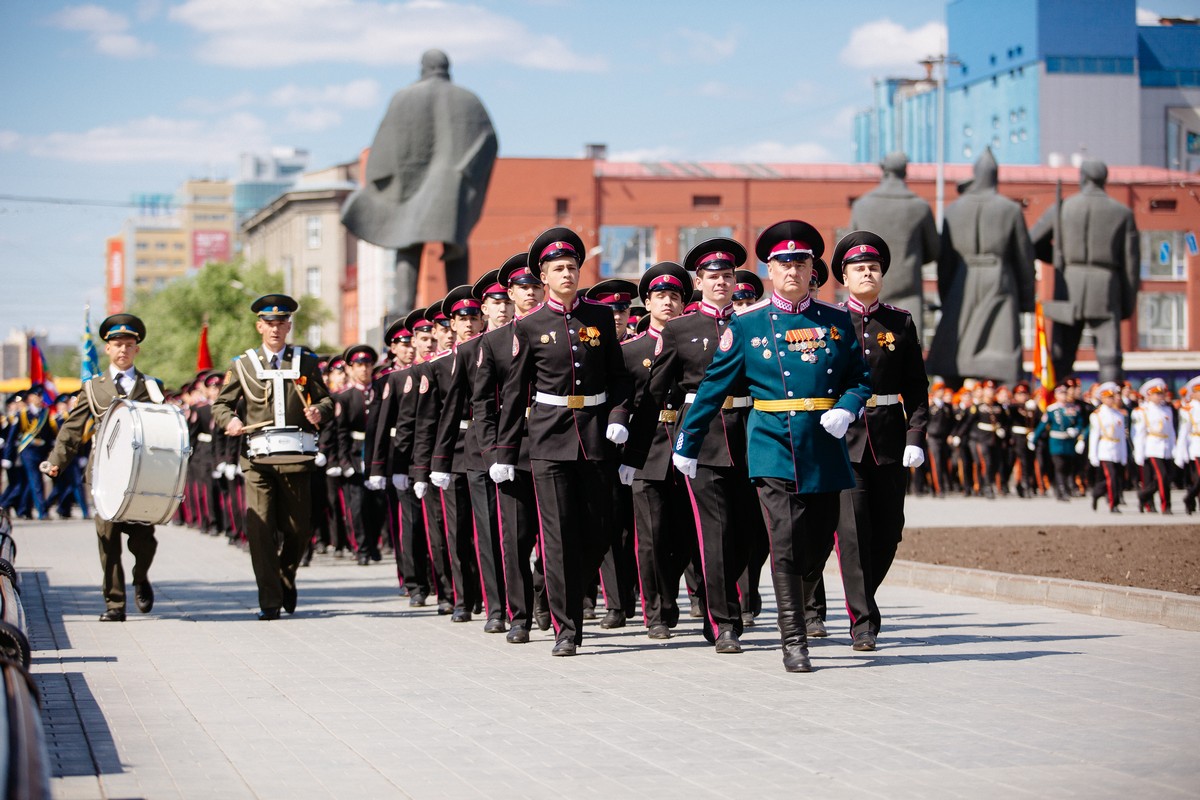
(942, 62)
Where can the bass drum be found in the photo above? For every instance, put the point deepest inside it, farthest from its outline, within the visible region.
(139, 462)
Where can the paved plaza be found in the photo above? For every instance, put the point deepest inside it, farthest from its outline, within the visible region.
(360, 696)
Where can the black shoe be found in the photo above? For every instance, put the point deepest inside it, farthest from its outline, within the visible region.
(376, 555)
(864, 640)
(268, 614)
(478, 609)
(1115, 510)
(307, 560)
(589, 612)
(494, 625)
(564, 647)
(706, 628)
(747, 619)
(416, 600)
(542, 618)
(289, 599)
(517, 635)
(695, 612)
(795, 658)
(1095, 502)
(815, 628)
(670, 615)
(143, 596)
(113, 615)
(613, 619)
(445, 607)
(727, 643)
(460, 615)
(364, 558)
(659, 631)
(339, 553)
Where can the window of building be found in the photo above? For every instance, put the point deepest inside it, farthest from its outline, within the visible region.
(178, 246)
(160, 245)
(625, 251)
(143, 245)
(995, 121)
(312, 281)
(1162, 321)
(967, 151)
(706, 201)
(690, 237)
(1164, 255)
(1162, 204)
(968, 131)
(312, 227)
(562, 207)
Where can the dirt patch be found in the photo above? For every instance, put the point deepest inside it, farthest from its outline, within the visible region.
(1149, 557)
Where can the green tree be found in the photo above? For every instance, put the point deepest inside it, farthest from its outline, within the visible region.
(221, 294)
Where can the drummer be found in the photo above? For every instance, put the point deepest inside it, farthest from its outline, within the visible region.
(277, 503)
(122, 335)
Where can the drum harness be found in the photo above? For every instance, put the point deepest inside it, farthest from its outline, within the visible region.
(276, 378)
(156, 395)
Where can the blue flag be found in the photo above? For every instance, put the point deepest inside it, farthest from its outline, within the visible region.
(89, 359)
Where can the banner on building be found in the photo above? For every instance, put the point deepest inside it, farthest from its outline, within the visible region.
(115, 274)
(209, 246)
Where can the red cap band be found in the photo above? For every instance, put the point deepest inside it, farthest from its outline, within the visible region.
(557, 247)
(468, 302)
(791, 246)
(668, 280)
(717, 255)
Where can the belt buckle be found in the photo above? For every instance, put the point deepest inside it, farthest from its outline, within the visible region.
(873, 401)
(575, 401)
(807, 404)
(728, 404)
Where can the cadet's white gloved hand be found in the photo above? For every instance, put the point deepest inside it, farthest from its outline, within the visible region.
(440, 479)
(1001, 433)
(348, 472)
(420, 488)
(1072, 432)
(217, 473)
(376, 483)
(913, 456)
(685, 465)
(1139, 460)
(836, 421)
(1030, 443)
(1079, 447)
(499, 473)
(626, 473)
(617, 433)
(400, 481)
(238, 470)
(334, 472)
(230, 471)
(321, 460)
(1095, 462)
(5, 463)
(82, 462)
(955, 441)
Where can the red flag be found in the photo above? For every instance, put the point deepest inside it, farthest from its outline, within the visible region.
(1043, 367)
(38, 373)
(203, 358)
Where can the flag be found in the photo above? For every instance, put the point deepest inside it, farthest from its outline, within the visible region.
(38, 372)
(1043, 368)
(203, 358)
(89, 359)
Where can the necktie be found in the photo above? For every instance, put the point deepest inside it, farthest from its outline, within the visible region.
(275, 361)
(121, 383)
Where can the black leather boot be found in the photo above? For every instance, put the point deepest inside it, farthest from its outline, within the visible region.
(789, 596)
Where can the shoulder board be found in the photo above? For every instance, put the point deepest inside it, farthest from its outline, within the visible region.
(592, 302)
(239, 356)
(832, 306)
(439, 356)
(896, 308)
(763, 303)
(632, 338)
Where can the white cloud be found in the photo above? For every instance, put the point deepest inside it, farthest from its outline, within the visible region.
(155, 139)
(704, 46)
(884, 44)
(363, 93)
(646, 154)
(107, 30)
(313, 119)
(774, 152)
(714, 89)
(373, 32)
(9, 140)
(1147, 17)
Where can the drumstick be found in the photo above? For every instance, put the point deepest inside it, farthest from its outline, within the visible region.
(304, 398)
(257, 425)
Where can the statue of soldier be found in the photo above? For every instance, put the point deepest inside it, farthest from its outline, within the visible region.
(1099, 265)
(426, 177)
(985, 279)
(905, 222)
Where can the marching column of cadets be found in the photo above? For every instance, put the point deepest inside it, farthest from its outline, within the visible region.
(523, 444)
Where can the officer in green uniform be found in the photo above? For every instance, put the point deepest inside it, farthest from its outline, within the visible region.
(804, 369)
(277, 503)
(122, 335)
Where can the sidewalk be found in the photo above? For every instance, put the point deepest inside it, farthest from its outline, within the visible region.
(359, 696)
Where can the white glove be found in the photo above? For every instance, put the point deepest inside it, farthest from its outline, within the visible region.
(1139, 460)
(348, 472)
(5, 463)
(1030, 443)
(376, 483)
(420, 488)
(321, 460)
(218, 472)
(1095, 462)
(400, 481)
(237, 470)
(1079, 448)
(45, 467)
(220, 468)
(499, 473)
(1001, 433)
(440, 479)
(913, 456)
(626, 473)
(334, 472)
(835, 421)
(1181, 462)
(617, 433)
(82, 462)
(955, 441)
(1072, 432)
(230, 471)
(685, 465)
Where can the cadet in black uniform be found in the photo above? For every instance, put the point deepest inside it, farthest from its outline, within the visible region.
(567, 354)
(886, 441)
(350, 422)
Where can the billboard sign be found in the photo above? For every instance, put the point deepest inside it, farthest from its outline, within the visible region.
(209, 246)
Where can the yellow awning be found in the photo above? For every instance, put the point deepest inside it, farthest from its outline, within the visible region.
(21, 384)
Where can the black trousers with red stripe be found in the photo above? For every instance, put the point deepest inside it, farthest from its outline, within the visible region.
(1108, 482)
(724, 504)
(1156, 478)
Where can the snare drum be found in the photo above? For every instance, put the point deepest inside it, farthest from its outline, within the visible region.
(139, 462)
(286, 445)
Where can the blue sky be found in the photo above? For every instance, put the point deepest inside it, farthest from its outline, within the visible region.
(102, 100)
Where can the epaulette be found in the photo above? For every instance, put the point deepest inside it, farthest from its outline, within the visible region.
(763, 303)
(590, 301)
(831, 306)
(436, 356)
(632, 338)
(896, 308)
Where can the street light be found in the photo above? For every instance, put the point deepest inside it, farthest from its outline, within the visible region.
(942, 62)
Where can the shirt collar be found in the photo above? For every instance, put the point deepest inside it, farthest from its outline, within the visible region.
(559, 308)
(859, 308)
(269, 354)
(709, 310)
(791, 308)
(113, 372)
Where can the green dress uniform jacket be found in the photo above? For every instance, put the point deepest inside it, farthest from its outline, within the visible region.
(804, 354)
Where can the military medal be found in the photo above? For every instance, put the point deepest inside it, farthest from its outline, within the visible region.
(756, 341)
(646, 363)
(706, 345)
(886, 340)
